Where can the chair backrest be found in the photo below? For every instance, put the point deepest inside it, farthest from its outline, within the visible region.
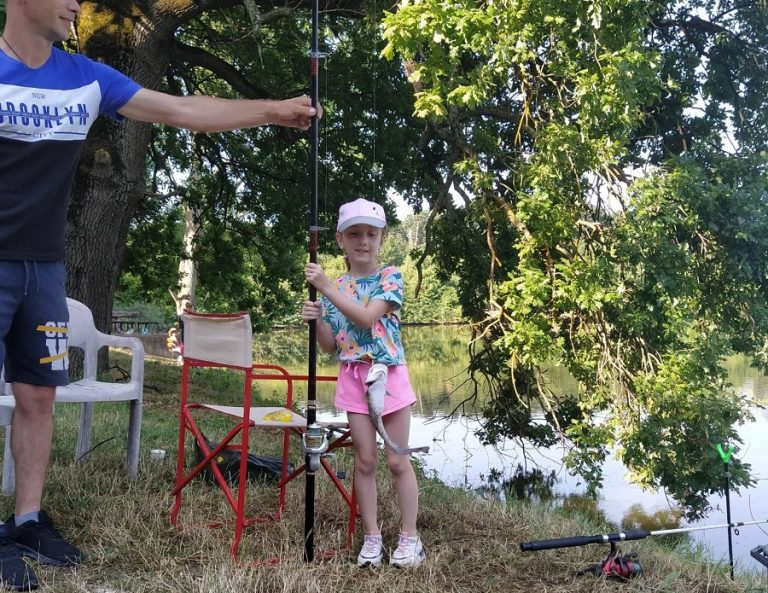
(218, 338)
(81, 326)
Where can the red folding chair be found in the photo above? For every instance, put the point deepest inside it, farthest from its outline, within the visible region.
(225, 341)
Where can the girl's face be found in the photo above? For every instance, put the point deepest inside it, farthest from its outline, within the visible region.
(361, 244)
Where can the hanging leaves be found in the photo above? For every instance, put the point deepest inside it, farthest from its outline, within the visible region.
(616, 152)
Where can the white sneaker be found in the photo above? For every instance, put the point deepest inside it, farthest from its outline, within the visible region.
(371, 552)
(409, 552)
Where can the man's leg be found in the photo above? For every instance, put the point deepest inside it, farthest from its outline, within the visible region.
(14, 572)
(36, 362)
(31, 436)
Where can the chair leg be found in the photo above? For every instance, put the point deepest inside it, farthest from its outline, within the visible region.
(176, 492)
(84, 433)
(134, 439)
(9, 466)
(283, 473)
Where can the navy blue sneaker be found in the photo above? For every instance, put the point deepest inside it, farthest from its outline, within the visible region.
(15, 575)
(41, 541)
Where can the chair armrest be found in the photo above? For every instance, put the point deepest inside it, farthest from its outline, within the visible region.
(135, 345)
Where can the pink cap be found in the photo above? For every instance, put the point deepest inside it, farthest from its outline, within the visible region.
(361, 212)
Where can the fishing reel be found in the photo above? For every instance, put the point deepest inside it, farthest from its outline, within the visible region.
(616, 566)
(314, 442)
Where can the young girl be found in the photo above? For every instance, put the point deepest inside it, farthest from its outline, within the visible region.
(357, 319)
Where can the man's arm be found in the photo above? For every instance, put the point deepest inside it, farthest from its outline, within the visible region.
(213, 114)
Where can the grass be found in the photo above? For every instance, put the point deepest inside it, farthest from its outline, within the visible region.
(472, 545)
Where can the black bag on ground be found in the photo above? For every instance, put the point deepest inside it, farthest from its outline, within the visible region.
(228, 461)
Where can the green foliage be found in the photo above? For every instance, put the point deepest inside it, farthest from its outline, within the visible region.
(430, 295)
(147, 311)
(436, 301)
(256, 283)
(639, 286)
(152, 255)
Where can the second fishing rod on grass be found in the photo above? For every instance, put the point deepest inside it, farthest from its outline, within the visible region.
(628, 565)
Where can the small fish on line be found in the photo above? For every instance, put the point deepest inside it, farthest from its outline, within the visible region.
(376, 382)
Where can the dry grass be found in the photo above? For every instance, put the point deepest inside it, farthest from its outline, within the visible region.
(472, 545)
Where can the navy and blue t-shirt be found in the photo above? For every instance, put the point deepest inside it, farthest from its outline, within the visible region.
(45, 115)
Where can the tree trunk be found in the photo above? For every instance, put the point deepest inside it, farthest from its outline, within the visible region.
(185, 297)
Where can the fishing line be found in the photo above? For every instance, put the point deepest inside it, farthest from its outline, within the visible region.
(324, 122)
(752, 515)
(374, 53)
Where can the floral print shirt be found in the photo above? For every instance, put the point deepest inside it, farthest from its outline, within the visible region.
(382, 343)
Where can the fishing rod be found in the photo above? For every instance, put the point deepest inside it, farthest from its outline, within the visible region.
(314, 434)
(620, 536)
(627, 565)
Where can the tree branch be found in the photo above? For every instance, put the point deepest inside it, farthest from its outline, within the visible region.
(195, 56)
(184, 10)
(701, 25)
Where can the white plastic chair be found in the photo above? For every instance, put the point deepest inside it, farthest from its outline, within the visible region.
(7, 405)
(89, 390)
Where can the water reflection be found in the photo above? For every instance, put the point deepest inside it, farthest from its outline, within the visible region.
(535, 485)
(437, 360)
(637, 518)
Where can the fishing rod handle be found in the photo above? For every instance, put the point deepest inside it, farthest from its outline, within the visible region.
(583, 540)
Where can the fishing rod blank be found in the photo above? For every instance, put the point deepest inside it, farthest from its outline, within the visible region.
(635, 534)
(309, 491)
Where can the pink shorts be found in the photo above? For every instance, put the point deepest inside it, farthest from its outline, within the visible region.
(350, 388)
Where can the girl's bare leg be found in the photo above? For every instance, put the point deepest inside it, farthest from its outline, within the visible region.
(398, 425)
(366, 462)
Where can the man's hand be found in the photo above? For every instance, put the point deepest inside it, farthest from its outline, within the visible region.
(297, 113)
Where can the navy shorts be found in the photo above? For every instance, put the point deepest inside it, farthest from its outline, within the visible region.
(34, 321)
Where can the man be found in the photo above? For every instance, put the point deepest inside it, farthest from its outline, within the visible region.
(48, 101)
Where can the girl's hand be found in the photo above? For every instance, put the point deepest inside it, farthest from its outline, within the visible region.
(316, 277)
(311, 311)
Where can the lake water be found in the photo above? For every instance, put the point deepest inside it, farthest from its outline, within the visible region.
(437, 357)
